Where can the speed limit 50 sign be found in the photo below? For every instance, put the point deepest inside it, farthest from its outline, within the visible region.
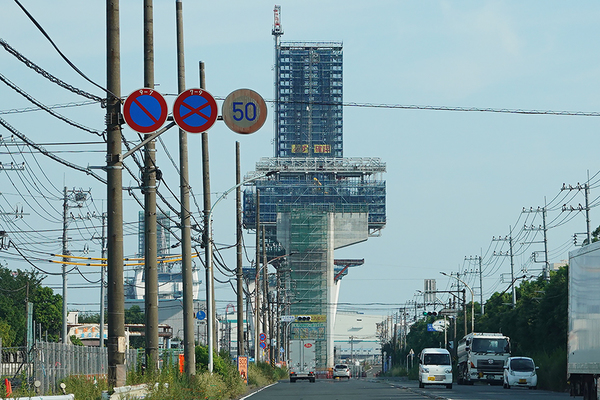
(244, 111)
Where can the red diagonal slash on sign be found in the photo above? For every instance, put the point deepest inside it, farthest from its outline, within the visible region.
(195, 110)
(148, 113)
(145, 110)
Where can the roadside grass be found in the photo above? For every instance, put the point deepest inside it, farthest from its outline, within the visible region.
(224, 384)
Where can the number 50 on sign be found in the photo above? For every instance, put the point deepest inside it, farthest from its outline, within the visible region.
(244, 111)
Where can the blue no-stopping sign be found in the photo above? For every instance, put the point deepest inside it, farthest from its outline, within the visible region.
(195, 110)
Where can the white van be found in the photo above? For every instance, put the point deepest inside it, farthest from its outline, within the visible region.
(435, 368)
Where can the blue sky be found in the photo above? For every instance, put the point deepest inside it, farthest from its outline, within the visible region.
(454, 179)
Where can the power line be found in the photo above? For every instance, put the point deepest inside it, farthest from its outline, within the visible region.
(48, 110)
(62, 105)
(48, 154)
(61, 53)
(47, 75)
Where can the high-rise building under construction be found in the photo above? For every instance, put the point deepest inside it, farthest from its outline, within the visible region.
(318, 201)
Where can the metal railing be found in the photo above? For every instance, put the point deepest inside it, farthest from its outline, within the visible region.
(49, 363)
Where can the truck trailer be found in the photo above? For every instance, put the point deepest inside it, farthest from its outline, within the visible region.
(481, 357)
(302, 360)
(583, 340)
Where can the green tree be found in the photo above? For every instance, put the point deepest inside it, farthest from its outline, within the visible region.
(18, 287)
(134, 315)
(537, 326)
(47, 311)
(89, 318)
(6, 334)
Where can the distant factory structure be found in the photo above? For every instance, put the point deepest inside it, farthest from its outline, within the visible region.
(318, 201)
(170, 282)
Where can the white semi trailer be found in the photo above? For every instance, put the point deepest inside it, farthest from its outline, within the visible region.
(302, 360)
(583, 340)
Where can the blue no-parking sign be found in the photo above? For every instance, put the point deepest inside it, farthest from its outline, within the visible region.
(195, 110)
(145, 110)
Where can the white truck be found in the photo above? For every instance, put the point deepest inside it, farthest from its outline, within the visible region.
(481, 358)
(302, 360)
(583, 340)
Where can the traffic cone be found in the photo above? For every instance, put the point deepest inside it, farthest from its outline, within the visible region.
(8, 387)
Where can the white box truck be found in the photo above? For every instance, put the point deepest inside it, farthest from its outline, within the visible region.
(583, 340)
(302, 360)
(481, 357)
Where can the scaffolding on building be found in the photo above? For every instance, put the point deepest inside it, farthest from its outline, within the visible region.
(306, 281)
(315, 191)
(320, 182)
(308, 90)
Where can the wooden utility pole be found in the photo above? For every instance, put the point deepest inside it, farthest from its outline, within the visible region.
(116, 309)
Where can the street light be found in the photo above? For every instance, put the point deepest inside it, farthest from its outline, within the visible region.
(210, 314)
(472, 299)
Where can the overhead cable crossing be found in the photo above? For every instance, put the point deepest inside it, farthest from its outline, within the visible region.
(64, 105)
(360, 105)
(43, 107)
(49, 76)
(448, 108)
(47, 153)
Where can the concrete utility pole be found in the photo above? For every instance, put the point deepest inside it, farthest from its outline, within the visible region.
(65, 251)
(116, 310)
(546, 271)
(102, 280)
(150, 241)
(586, 191)
(512, 264)
(208, 222)
(265, 301)
(186, 238)
(512, 269)
(211, 333)
(239, 271)
(465, 301)
(76, 196)
(480, 271)
(546, 262)
(257, 280)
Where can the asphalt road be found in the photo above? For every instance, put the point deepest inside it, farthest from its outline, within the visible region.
(481, 392)
(379, 389)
